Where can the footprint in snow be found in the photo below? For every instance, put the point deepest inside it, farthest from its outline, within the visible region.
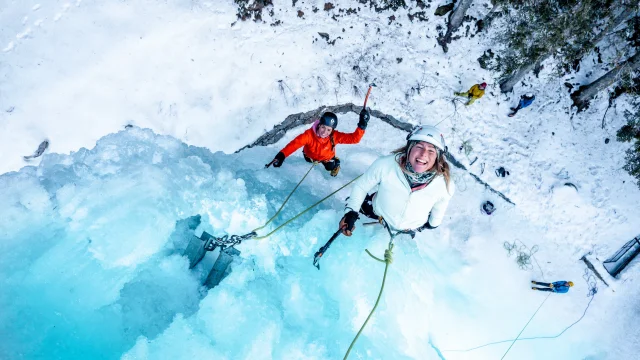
(25, 34)
(9, 47)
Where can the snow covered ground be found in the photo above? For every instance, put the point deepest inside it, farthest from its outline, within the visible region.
(89, 269)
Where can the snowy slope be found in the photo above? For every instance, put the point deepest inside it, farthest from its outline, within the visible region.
(76, 71)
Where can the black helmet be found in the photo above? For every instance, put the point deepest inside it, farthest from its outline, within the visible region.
(329, 119)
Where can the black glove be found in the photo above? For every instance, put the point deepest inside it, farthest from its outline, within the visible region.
(348, 222)
(278, 160)
(426, 226)
(364, 119)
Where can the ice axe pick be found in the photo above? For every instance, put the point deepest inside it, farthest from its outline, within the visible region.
(368, 93)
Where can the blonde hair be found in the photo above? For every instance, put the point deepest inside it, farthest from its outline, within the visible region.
(441, 166)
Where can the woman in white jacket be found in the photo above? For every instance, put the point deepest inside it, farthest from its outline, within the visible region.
(413, 185)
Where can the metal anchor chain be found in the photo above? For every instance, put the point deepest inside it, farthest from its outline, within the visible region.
(227, 241)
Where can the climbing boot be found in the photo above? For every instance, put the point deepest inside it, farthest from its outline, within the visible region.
(336, 169)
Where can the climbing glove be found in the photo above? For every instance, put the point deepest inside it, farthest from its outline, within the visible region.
(278, 160)
(364, 119)
(347, 224)
(426, 226)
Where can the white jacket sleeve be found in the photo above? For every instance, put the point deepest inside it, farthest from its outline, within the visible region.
(440, 207)
(364, 184)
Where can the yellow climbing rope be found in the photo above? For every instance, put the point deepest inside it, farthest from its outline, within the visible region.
(388, 259)
(288, 196)
(300, 214)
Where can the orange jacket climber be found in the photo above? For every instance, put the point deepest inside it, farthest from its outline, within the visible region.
(321, 149)
(319, 142)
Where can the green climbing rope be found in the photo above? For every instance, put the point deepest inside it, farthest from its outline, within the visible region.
(388, 259)
(307, 209)
(287, 199)
(525, 326)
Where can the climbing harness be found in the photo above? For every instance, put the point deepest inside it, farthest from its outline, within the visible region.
(388, 259)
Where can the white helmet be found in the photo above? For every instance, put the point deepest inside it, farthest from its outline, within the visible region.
(430, 134)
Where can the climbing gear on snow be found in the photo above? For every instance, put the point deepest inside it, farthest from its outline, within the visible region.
(324, 248)
(329, 119)
(488, 208)
(501, 172)
(523, 254)
(430, 134)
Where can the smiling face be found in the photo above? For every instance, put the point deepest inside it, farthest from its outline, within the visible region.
(423, 156)
(324, 131)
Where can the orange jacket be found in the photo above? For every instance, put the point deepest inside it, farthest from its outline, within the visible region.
(319, 149)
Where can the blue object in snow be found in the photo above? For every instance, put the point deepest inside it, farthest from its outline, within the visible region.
(560, 287)
(526, 101)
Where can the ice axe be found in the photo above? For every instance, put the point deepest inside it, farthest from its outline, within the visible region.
(319, 253)
(269, 164)
(368, 93)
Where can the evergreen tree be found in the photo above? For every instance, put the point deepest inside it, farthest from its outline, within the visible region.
(631, 133)
(564, 29)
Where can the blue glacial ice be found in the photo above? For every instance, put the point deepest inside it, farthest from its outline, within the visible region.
(92, 265)
(91, 268)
